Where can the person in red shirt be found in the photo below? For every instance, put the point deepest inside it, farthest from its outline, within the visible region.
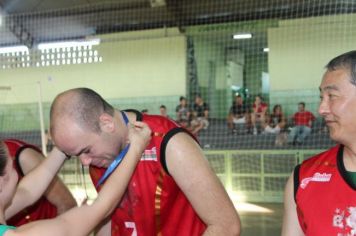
(258, 115)
(320, 195)
(16, 195)
(56, 200)
(173, 190)
(302, 125)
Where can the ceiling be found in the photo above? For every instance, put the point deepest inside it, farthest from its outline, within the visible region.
(32, 21)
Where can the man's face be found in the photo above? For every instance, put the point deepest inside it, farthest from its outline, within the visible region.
(338, 105)
(301, 107)
(239, 100)
(97, 149)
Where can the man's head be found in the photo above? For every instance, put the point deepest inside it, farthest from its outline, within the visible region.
(301, 106)
(338, 98)
(163, 110)
(83, 124)
(238, 100)
(198, 99)
(182, 100)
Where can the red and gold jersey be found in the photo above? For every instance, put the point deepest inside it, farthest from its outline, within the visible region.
(153, 203)
(325, 198)
(42, 209)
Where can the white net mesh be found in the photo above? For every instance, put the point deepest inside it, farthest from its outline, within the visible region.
(143, 54)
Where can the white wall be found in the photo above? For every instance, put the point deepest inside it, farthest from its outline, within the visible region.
(138, 64)
(299, 49)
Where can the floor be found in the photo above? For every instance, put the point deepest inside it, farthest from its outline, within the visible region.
(261, 219)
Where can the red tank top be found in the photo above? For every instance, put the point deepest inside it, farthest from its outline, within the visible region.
(153, 203)
(326, 202)
(42, 209)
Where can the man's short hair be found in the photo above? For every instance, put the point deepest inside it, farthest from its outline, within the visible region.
(344, 61)
(302, 103)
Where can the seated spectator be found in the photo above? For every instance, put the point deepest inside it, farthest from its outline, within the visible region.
(302, 125)
(275, 122)
(144, 111)
(200, 115)
(258, 115)
(183, 112)
(238, 114)
(163, 111)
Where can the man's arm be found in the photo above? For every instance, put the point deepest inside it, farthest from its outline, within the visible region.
(290, 225)
(57, 193)
(191, 171)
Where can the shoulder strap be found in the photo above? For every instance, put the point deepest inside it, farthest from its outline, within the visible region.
(296, 180)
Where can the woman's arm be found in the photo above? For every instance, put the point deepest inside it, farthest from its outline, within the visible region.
(82, 220)
(35, 183)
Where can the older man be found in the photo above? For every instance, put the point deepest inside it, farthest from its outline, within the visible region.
(320, 196)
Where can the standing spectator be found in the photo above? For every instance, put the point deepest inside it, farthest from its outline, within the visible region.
(200, 115)
(320, 195)
(302, 125)
(183, 112)
(275, 122)
(238, 114)
(56, 200)
(258, 115)
(163, 111)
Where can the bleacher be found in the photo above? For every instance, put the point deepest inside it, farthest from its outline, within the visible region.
(218, 137)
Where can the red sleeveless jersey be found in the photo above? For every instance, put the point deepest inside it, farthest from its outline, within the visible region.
(153, 203)
(325, 199)
(42, 209)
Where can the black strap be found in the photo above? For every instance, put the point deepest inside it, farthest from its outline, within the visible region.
(296, 180)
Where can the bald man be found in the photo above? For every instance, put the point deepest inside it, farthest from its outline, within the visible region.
(173, 190)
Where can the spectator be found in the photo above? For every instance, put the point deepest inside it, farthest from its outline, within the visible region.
(258, 115)
(56, 200)
(200, 115)
(275, 122)
(320, 195)
(163, 111)
(183, 113)
(302, 125)
(238, 114)
(144, 111)
(173, 190)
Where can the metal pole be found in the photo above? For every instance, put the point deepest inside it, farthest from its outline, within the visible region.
(40, 110)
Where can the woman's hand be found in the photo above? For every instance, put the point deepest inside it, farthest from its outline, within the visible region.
(139, 135)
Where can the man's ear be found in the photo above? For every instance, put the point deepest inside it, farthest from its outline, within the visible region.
(106, 123)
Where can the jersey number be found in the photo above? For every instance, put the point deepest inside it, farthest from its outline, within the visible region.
(131, 225)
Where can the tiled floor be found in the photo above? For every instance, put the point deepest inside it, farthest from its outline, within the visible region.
(257, 223)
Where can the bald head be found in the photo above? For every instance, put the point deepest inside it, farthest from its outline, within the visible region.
(80, 105)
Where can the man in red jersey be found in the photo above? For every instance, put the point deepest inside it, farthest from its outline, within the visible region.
(320, 196)
(173, 191)
(56, 200)
(302, 125)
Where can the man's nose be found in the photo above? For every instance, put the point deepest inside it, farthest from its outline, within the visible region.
(324, 107)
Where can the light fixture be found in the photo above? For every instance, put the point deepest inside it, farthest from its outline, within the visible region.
(13, 49)
(68, 44)
(242, 36)
(266, 49)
